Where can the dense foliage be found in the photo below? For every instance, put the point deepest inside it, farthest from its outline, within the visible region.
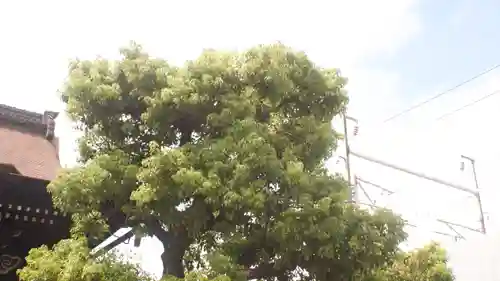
(71, 260)
(425, 264)
(224, 155)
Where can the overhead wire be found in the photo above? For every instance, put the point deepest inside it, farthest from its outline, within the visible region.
(448, 91)
(446, 115)
(457, 110)
(372, 127)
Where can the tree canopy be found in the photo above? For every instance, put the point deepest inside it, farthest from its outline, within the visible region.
(425, 264)
(223, 160)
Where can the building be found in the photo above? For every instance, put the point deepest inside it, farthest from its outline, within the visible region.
(29, 160)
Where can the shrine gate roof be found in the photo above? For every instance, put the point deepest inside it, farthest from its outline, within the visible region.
(28, 143)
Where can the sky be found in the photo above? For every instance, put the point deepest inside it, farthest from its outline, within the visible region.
(395, 53)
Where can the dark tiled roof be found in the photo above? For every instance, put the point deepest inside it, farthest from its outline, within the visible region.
(27, 142)
(33, 121)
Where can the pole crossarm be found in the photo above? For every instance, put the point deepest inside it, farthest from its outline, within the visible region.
(416, 174)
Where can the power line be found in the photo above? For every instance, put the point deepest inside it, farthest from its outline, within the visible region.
(448, 114)
(468, 105)
(441, 94)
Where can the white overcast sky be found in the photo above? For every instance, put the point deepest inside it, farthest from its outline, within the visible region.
(40, 37)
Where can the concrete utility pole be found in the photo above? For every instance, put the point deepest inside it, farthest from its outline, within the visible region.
(475, 193)
(478, 196)
(347, 157)
(352, 194)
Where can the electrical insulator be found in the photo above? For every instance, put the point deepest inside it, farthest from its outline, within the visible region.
(356, 129)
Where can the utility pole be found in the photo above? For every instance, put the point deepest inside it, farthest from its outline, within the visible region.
(347, 156)
(352, 187)
(478, 194)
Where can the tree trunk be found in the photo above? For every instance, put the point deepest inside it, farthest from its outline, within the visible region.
(174, 247)
(172, 257)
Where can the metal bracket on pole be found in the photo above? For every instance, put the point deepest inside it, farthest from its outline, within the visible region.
(361, 180)
(358, 184)
(450, 226)
(456, 237)
(439, 232)
(475, 193)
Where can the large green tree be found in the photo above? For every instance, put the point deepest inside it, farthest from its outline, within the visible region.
(221, 159)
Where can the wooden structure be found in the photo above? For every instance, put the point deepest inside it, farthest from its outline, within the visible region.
(28, 161)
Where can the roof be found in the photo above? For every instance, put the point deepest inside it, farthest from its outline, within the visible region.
(28, 143)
